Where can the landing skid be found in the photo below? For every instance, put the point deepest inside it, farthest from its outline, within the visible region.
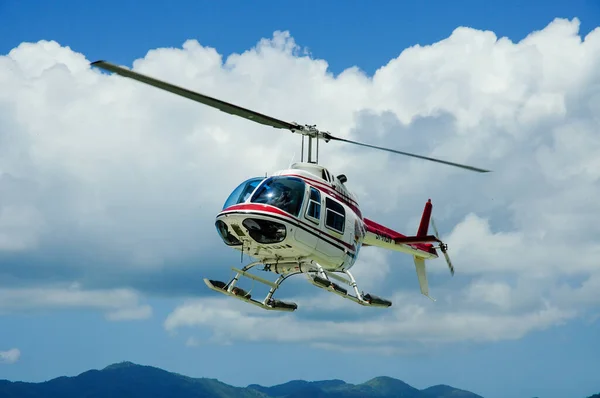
(323, 281)
(269, 303)
(317, 277)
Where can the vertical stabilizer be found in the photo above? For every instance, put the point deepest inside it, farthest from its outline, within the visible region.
(422, 275)
(424, 225)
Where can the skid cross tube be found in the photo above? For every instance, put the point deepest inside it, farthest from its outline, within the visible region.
(268, 303)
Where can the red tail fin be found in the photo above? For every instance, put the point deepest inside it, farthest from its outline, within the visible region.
(424, 226)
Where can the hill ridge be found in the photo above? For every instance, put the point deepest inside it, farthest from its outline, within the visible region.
(132, 380)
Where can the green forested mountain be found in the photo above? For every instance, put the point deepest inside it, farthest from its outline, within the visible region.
(128, 380)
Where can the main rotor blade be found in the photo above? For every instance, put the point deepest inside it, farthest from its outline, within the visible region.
(249, 114)
(411, 154)
(204, 99)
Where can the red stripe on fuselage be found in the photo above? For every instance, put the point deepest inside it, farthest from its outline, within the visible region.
(326, 184)
(329, 189)
(249, 207)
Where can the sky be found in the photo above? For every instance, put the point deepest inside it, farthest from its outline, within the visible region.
(109, 188)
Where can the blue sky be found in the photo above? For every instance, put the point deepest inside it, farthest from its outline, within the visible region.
(342, 33)
(556, 361)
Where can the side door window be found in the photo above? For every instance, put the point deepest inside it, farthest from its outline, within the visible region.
(313, 210)
(335, 216)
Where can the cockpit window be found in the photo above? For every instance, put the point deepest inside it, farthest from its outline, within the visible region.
(285, 193)
(243, 191)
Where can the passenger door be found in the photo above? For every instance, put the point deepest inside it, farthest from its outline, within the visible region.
(333, 229)
(309, 234)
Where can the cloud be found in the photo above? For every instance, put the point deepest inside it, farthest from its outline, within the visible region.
(115, 184)
(409, 327)
(118, 304)
(11, 356)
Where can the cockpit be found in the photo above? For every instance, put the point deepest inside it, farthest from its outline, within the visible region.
(243, 191)
(285, 193)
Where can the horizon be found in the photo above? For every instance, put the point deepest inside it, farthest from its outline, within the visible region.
(109, 189)
(129, 363)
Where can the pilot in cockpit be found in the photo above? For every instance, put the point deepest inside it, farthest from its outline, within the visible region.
(285, 200)
(279, 195)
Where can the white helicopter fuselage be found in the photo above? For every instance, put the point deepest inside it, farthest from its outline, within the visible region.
(293, 219)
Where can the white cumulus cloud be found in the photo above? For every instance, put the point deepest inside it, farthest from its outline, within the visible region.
(116, 184)
(117, 304)
(10, 356)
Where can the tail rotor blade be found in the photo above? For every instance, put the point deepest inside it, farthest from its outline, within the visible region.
(449, 262)
(435, 230)
(443, 247)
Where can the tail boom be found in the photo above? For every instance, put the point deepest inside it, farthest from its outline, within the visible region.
(380, 236)
(419, 245)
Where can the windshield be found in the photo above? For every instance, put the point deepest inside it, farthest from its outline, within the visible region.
(285, 193)
(243, 191)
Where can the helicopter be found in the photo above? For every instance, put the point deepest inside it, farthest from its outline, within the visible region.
(303, 219)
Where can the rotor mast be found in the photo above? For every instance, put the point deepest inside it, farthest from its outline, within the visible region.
(312, 133)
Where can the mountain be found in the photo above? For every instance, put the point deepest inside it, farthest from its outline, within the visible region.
(447, 391)
(129, 380)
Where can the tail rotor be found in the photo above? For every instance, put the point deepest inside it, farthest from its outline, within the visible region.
(443, 247)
